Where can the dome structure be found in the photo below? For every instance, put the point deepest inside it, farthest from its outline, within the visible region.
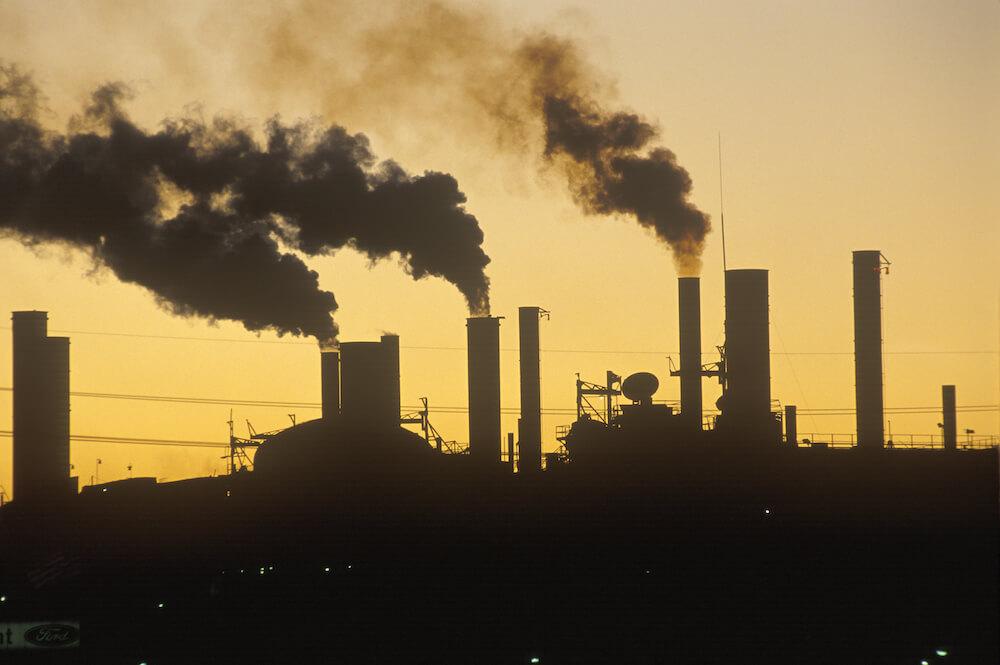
(343, 444)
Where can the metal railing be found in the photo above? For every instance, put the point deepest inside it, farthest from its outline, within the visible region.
(907, 441)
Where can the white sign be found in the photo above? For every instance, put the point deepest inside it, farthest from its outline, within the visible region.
(40, 635)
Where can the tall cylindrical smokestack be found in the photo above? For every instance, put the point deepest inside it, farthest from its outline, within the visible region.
(330, 382)
(948, 419)
(41, 410)
(390, 347)
(748, 362)
(530, 426)
(367, 389)
(689, 320)
(484, 388)
(868, 348)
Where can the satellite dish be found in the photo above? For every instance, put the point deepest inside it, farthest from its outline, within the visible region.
(639, 387)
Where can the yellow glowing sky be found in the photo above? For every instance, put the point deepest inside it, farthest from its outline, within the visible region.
(845, 125)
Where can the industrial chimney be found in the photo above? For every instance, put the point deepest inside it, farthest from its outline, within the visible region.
(868, 347)
(390, 347)
(41, 411)
(949, 421)
(369, 379)
(689, 324)
(747, 400)
(484, 388)
(530, 426)
(330, 382)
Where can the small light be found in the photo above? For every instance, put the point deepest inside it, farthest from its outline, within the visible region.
(941, 652)
(270, 567)
(924, 662)
(241, 570)
(105, 489)
(327, 569)
(160, 605)
(767, 511)
(348, 566)
(3, 599)
(534, 660)
(647, 572)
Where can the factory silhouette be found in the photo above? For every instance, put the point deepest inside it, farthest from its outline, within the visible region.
(651, 535)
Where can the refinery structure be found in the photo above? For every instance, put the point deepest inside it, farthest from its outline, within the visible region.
(647, 522)
(360, 383)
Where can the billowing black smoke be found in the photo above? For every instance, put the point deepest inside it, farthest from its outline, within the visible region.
(105, 186)
(607, 156)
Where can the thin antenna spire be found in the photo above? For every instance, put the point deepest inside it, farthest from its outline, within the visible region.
(722, 213)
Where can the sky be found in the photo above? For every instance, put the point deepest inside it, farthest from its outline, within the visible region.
(841, 126)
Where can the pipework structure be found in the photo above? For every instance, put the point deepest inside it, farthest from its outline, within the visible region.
(41, 411)
(484, 388)
(869, 394)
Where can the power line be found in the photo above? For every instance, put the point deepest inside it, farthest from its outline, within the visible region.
(94, 438)
(504, 349)
(902, 410)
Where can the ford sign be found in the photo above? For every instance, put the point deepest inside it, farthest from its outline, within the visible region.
(51, 635)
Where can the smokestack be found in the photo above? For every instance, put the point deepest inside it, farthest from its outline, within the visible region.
(791, 426)
(368, 391)
(390, 347)
(868, 348)
(748, 362)
(330, 382)
(484, 388)
(530, 425)
(948, 419)
(689, 313)
(41, 410)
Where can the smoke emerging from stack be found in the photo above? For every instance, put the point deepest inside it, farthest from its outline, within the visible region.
(607, 156)
(533, 92)
(206, 218)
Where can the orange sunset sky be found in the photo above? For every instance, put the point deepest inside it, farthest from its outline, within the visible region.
(844, 126)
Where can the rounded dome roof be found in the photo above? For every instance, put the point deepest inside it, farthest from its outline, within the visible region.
(342, 444)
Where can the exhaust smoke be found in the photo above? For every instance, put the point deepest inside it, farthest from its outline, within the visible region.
(208, 219)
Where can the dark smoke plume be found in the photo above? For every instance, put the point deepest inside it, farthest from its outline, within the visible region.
(534, 93)
(104, 186)
(607, 156)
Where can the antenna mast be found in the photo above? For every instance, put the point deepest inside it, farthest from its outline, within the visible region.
(722, 214)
